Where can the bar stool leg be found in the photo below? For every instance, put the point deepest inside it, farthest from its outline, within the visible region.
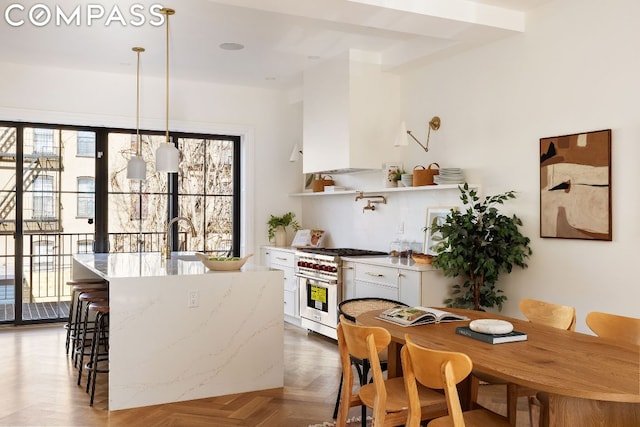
(80, 348)
(100, 334)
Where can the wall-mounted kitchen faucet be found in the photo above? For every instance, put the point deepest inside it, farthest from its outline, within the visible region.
(370, 200)
(369, 206)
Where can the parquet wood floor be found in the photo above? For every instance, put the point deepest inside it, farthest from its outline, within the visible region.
(38, 388)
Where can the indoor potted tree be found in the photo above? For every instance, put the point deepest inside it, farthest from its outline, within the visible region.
(278, 227)
(479, 243)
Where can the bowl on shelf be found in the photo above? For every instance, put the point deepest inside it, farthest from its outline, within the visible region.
(407, 179)
(222, 263)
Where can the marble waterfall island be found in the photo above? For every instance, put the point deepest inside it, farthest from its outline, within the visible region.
(180, 332)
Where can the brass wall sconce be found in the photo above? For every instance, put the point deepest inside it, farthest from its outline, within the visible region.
(434, 124)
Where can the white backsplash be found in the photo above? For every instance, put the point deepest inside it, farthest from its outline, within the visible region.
(348, 226)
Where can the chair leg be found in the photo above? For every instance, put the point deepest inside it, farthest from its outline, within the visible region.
(335, 408)
(474, 385)
(533, 401)
(363, 381)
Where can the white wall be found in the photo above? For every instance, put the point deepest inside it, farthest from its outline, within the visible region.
(267, 121)
(575, 69)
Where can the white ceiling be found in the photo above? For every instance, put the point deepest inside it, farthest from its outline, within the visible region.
(281, 37)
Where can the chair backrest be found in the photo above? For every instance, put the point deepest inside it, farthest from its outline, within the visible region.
(362, 342)
(352, 308)
(550, 314)
(434, 369)
(621, 328)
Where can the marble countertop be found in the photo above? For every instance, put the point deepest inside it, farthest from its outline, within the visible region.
(395, 262)
(150, 264)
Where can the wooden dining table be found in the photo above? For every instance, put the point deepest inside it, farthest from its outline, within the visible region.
(586, 380)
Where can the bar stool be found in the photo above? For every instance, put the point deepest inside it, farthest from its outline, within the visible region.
(79, 286)
(81, 348)
(100, 335)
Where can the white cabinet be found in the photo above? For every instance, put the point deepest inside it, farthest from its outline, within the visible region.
(410, 287)
(408, 284)
(284, 259)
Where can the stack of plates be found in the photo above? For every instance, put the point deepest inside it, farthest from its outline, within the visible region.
(449, 176)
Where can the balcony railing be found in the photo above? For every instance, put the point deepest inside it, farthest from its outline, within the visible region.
(48, 259)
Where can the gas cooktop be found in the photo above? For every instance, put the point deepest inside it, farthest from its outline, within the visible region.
(343, 252)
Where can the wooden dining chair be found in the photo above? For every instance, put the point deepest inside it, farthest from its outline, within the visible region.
(539, 312)
(441, 370)
(620, 328)
(387, 398)
(550, 314)
(352, 308)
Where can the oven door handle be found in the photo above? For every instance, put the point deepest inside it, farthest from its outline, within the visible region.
(329, 282)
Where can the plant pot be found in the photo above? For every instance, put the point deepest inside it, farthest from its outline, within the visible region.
(281, 237)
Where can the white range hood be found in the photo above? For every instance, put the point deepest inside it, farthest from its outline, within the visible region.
(351, 113)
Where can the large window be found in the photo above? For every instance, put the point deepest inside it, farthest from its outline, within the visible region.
(205, 192)
(86, 197)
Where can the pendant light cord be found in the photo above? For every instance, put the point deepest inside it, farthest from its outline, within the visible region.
(167, 82)
(138, 50)
(167, 12)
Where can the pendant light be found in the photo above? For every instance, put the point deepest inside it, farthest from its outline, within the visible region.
(137, 167)
(167, 155)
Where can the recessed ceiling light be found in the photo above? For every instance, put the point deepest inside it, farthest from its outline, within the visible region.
(313, 57)
(231, 46)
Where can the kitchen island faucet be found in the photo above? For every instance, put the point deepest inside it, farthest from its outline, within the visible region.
(167, 247)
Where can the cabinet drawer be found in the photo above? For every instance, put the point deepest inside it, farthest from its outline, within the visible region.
(376, 274)
(371, 290)
(281, 258)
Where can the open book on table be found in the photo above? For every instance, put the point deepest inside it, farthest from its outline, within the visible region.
(412, 316)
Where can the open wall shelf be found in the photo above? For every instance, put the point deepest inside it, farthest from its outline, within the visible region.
(384, 190)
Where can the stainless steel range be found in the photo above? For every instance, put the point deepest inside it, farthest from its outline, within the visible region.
(319, 272)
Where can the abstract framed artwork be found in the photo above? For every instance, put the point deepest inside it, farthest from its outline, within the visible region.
(435, 216)
(575, 186)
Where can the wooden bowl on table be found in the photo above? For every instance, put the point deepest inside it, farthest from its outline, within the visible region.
(222, 263)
